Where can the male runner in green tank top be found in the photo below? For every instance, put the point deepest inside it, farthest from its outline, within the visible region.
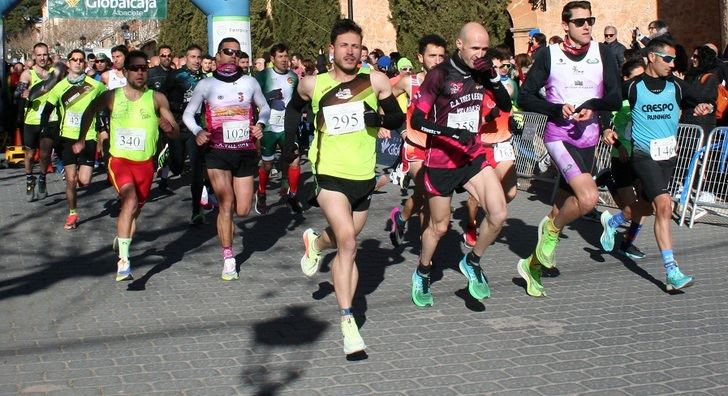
(71, 96)
(343, 156)
(137, 113)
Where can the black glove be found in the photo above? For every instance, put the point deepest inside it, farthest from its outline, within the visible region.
(484, 68)
(371, 117)
(494, 113)
(464, 136)
(513, 126)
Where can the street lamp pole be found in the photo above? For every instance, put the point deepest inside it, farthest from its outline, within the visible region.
(351, 9)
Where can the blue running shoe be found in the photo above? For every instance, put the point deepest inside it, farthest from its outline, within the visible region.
(477, 281)
(676, 280)
(607, 238)
(421, 294)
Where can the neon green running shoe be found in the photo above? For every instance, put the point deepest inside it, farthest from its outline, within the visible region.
(311, 260)
(352, 340)
(477, 281)
(123, 270)
(547, 244)
(532, 276)
(229, 272)
(421, 294)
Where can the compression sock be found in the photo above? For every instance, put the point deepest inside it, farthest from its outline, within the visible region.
(423, 271)
(667, 259)
(124, 244)
(473, 259)
(293, 175)
(227, 252)
(634, 230)
(262, 180)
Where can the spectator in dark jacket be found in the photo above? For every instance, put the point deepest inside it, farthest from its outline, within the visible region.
(703, 76)
(610, 39)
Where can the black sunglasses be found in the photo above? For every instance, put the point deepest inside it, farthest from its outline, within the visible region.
(137, 68)
(232, 52)
(608, 35)
(579, 22)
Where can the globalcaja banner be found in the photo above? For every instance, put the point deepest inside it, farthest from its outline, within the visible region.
(108, 9)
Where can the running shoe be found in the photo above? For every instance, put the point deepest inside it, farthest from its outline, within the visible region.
(607, 238)
(631, 251)
(30, 193)
(470, 237)
(396, 234)
(677, 280)
(71, 222)
(532, 276)
(294, 204)
(477, 281)
(310, 262)
(421, 294)
(228, 270)
(123, 270)
(260, 206)
(547, 244)
(162, 158)
(42, 191)
(197, 219)
(352, 340)
(164, 186)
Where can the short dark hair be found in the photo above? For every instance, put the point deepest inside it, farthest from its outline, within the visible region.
(629, 66)
(659, 43)
(658, 24)
(194, 47)
(121, 48)
(227, 40)
(496, 53)
(364, 48)
(431, 39)
(163, 46)
(40, 44)
(90, 56)
(208, 57)
(540, 38)
(297, 55)
(566, 12)
(244, 55)
(276, 48)
(134, 54)
(76, 51)
(343, 26)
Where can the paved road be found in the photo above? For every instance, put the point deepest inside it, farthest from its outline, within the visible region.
(606, 327)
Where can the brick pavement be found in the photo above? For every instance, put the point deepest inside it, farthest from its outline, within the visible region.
(606, 326)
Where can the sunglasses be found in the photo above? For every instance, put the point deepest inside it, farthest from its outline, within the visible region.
(165, 56)
(608, 35)
(137, 68)
(232, 52)
(505, 66)
(665, 57)
(406, 69)
(579, 22)
(77, 60)
(99, 61)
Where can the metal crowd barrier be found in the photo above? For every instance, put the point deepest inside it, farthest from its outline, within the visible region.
(532, 159)
(711, 193)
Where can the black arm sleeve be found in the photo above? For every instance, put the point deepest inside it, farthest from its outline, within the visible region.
(502, 98)
(419, 121)
(294, 109)
(612, 98)
(20, 117)
(321, 64)
(48, 109)
(393, 117)
(529, 98)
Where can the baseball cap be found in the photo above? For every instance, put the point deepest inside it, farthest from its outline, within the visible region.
(384, 62)
(101, 56)
(404, 62)
(534, 32)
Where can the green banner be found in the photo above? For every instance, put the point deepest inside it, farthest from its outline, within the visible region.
(108, 9)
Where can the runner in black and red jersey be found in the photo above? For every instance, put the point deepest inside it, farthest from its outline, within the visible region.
(448, 110)
(432, 50)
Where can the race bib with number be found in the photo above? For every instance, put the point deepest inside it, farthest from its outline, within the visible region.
(344, 118)
(235, 131)
(467, 120)
(130, 139)
(277, 118)
(72, 119)
(663, 149)
(503, 152)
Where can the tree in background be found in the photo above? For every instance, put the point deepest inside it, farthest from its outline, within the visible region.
(414, 18)
(304, 24)
(22, 17)
(261, 27)
(185, 25)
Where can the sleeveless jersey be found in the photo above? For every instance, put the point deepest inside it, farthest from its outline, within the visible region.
(115, 81)
(72, 100)
(278, 90)
(414, 137)
(655, 116)
(343, 147)
(574, 83)
(35, 108)
(134, 124)
(496, 130)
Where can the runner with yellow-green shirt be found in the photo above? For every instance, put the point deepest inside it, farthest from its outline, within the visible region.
(137, 113)
(343, 155)
(71, 97)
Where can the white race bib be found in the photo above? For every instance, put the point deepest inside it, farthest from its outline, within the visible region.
(130, 139)
(344, 118)
(503, 151)
(235, 131)
(468, 120)
(71, 119)
(663, 149)
(277, 118)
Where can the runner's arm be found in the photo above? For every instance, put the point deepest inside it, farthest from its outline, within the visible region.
(529, 98)
(166, 119)
(300, 98)
(612, 98)
(261, 104)
(393, 116)
(101, 103)
(193, 106)
(429, 91)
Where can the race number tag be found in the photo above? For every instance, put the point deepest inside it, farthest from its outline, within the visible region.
(235, 131)
(277, 118)
(467, 120)
(663, 149)
(71, 119)
(344, 118)
(130, 139)
(504, 152)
